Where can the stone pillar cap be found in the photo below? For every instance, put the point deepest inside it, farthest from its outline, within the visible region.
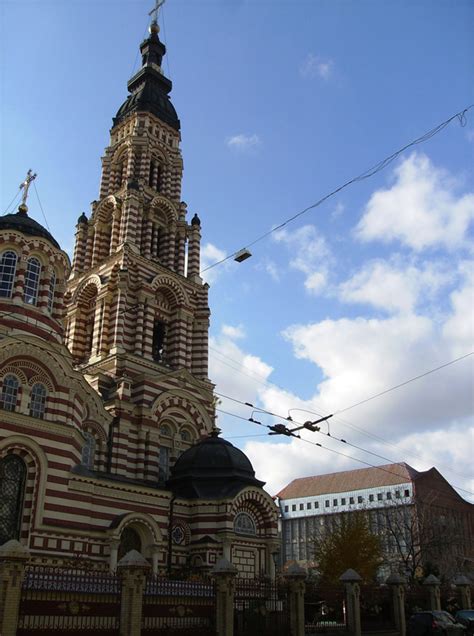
(395, 579)
(223, 566)
(461, 580)
(350, 576)
(13, 549)
(431, 580)
(295, 571)
(133, 559)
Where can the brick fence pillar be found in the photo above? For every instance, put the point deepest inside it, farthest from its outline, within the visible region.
(464, 589)
(13, 559)
(397, 583)
(132, 569)
(351, 581)
(296, 576)
(224, 573)
(433, 585)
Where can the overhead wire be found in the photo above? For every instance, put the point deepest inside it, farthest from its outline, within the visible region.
(41, 207)
(13, 201)
(461, 116)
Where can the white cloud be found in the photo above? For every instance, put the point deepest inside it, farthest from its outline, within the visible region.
(316, 66)
(211, 254)
(310, 255)
(243, 142)
(272, 270)
(421, 209)
(338, 210)
(234, 333)
(392, 287)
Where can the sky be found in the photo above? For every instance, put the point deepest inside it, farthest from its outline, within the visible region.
(281, 102)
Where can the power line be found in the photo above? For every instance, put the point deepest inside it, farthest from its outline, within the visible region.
(12, 202)
(397, 386)
(41, 207)
(461, 116)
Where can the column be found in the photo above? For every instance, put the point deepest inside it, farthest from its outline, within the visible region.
(80, 245)
(272, 550)
(224, 574)
(13, 559)
(296, 575)
(433, 585)
(133, 570)
(115, 236)
(170, 253)
(181, 248)
(351, 581)
(463, 585)
(397, 583)
(139, 328)
(194, 250)
(114, 546)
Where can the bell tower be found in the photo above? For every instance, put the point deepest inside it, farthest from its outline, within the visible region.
(137, 310)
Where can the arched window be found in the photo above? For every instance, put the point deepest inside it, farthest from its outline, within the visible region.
(164, 463)
(9, 393)
(158, 344)
(165, 430)
(38, 400)
(52, 286)
(88, 451)
(12, 488)
(8, 263)
(32, 279)
(185, 435)
(129, 540)
(244, 524)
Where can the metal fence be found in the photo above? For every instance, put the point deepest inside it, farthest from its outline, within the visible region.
(73, 601)
(261, 608)
(324, 608)
(179, 608)
(376, 608)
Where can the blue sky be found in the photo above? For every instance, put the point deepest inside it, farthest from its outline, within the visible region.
(280, 103)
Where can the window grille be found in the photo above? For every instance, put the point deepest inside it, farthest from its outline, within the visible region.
(32, 279)
(12, 487)
(9, 393)
(38, 400)
(88, 451)
(244, 524)
(8, 263)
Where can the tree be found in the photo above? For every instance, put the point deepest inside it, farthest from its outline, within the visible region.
(349, 544)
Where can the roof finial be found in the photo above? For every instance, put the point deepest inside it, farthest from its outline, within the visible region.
(154, 13)
(25, 186)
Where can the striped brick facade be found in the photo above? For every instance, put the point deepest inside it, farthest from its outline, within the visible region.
(120, 349)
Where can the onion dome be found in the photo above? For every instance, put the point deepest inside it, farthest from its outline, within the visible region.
(212, 469)
(196, 220)
(149, 88)
(21, 222)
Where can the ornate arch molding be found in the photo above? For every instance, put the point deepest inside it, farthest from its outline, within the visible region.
(37, 470)
(182, 402)
(137, 520)
(106, 206)
(91, 280)
(168, 285)
(92, 427)
(161, 203)
(257, 502)
(13, 369)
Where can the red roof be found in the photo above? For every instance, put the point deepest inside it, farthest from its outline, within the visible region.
(347, 480)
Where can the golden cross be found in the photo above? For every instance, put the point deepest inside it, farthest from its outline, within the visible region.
(155, 10)
(25, 185)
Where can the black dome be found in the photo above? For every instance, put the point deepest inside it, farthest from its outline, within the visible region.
(212, 469)
(25, 224)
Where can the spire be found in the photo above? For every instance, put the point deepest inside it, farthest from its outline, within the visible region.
(149, 88)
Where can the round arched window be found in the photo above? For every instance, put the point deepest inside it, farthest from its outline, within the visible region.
(185, 435)
(32, 279)
(244, 524)
(8, 262)
(38, 400)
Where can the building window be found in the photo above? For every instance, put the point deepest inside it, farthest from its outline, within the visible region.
(12, 488)
(32, 279)
(129, 540)
(397, 494)
(334, 502)
(165, 430)
(301, 506)
(407, 493)
(343, 501)
(244, 524)
(360, 499)
(51, 288)
(9, 393)
(316, 504)
(379, 496)
(158, 345)
(371, 497)
(164, 463)
(286, 508)
(351, 500)
(8, 263)
(389, 495)
(326, 503)
(293, 507)
(88, 451)
(308, 506)
(38, 400)
(185, 435)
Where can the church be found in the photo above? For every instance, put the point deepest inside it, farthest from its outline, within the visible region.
(107, 422)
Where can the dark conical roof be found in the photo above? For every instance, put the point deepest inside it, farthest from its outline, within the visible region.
(21, 222)
(212, 469)
(149, 88)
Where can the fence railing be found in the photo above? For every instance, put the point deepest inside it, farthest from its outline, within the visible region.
(324, 608)
(261, 608)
